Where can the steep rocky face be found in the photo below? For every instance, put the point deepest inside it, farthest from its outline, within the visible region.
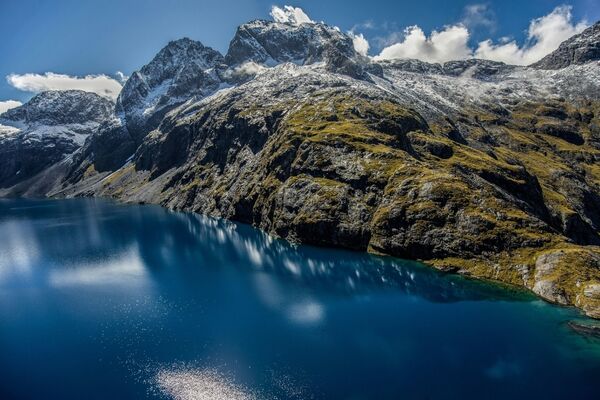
(272, 43)
(183, 70)
(579, 49)
(45, 130)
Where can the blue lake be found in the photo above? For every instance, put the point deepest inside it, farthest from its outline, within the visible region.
(106, 301)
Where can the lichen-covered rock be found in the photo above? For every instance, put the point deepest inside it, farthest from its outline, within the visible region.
(570, 275)
(546, 284)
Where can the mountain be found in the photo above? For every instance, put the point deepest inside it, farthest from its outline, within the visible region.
(272, 43)
(473, 166)
(183, 70)
(579, 49)
(49, 127)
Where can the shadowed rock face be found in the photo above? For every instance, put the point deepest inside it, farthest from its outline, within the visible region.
(182, 70)
(579, 49)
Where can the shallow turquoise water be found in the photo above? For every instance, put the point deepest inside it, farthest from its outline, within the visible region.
(99, 300)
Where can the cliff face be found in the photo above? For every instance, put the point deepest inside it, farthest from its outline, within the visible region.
(508, 194)
(473, 166)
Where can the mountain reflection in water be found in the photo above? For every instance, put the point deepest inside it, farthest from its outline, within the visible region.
(171, 239)
(101, 300)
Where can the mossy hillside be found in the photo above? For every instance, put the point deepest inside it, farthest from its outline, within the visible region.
(483, 194)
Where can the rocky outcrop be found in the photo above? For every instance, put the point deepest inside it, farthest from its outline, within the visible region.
(579, 49)
(579, 267)
(472, 68)
(181, 70)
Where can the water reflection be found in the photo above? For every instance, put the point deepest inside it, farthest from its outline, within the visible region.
(210, 241)
(146, 240)
(126, 298)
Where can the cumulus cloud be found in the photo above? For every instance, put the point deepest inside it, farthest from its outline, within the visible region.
(544, 36)
(35, 83)
(8, 104)
(361, 44)
(290, 15)
(448, 44)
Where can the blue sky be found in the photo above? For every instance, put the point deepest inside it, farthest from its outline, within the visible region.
(102, 37)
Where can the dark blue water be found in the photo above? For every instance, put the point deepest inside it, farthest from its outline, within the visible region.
(99, 300)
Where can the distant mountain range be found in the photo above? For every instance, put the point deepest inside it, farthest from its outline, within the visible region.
(473, 166)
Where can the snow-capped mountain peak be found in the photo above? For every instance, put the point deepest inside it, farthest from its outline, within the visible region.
(182, 69)
(270, 43)
(60, 108)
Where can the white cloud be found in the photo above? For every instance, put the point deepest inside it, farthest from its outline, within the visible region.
(121, 77)
(361, 45)
(448, 44)
(476, 15)
(99, 84)
(246, 70)
(544, 36)
(290, 15)
(8, 104)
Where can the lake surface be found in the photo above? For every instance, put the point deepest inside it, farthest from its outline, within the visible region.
(105, 301)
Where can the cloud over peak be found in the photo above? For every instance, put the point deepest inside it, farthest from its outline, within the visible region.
(545, 34)
(361, 45)
(448, 44)
(102, 85)
(290, 15)
(8, 104)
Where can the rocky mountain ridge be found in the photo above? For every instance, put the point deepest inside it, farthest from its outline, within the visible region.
(577, 50)
(472, 166)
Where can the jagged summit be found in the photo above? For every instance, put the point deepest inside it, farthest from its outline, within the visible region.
(270, 43)
(579, 49)
(182, 69)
